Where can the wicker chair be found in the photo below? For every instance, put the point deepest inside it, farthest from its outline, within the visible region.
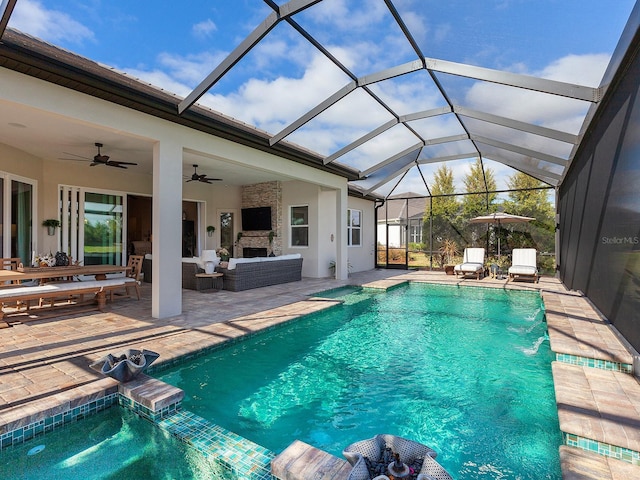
(189, 279)
(372, 449)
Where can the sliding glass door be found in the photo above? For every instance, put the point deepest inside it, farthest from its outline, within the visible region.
(93, 226)
(17, 201)
(21, 220)
(103, 232)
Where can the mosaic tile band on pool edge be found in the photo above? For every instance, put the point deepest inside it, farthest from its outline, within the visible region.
(47, 425)
(233, 454)
(624, 454)
(595, 363)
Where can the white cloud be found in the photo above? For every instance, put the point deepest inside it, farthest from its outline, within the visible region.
(50, 25)
(543, 109)
(175, 73)
(417, 25)
(580, 69)
(339, 16)
(204, 28)
(271, 104)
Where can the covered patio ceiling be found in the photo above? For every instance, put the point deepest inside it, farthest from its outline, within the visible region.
(390, 89)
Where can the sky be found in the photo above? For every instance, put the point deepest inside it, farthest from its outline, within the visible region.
(175, 45)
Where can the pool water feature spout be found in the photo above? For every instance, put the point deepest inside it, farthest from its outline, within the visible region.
(127, 366)
(397, 468)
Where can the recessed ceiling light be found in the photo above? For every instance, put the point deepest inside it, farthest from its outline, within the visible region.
(17, 125)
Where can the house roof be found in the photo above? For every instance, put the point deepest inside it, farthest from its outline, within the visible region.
(26, 54)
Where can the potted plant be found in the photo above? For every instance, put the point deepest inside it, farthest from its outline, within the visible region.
(210, 230)
(448, 250)
(223, 253)
(51, 224)
(238, 237)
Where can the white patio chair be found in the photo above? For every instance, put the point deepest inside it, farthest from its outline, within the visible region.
(472, 263)
(523, 264)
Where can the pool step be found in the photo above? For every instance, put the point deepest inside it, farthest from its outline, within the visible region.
(599, 412)
(150, 397)
(597, 396)
(579, 464)
(580, 336)
(300, 461)
(385, 284)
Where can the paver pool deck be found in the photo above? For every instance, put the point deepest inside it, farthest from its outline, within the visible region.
(44, 363)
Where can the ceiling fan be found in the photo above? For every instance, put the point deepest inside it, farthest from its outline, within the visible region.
(100, 159)
(201, 178)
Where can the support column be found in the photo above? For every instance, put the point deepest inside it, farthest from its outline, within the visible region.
(166, 300)
(342, 272)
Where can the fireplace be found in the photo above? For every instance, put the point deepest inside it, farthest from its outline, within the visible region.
(251, 252)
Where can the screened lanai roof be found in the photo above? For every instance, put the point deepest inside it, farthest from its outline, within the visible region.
(390, 88)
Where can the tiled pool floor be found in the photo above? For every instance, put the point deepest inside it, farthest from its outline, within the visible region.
(44, 363)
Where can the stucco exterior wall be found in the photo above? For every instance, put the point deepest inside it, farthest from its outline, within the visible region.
(362, 258)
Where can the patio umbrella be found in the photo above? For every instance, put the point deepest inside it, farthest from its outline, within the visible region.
(499, 218)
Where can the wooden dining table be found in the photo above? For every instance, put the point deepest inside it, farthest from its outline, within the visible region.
(99, 272)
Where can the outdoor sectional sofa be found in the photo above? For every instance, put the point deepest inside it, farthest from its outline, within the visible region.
(245, 273)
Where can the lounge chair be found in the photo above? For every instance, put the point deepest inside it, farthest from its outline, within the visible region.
(368, 453)
(524, 264)
(472, 263)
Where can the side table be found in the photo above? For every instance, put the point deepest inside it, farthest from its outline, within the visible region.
(216, 277)
(495, 271)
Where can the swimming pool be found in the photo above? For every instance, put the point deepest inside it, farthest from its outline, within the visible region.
(464, 370)
(111, 444)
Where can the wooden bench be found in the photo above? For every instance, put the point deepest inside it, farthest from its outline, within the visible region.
(56, 291)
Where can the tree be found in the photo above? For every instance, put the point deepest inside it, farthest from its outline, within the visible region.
(523, 200)
(526, 201)
(482, 180)
(444, 208)
(479, 180)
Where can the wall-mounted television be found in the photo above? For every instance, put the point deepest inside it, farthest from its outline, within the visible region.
(257, 218)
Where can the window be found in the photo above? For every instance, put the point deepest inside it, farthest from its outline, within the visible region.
(354, 228)
(299, 226)
(415, 231)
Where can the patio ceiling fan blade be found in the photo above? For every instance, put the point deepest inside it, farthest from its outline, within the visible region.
(196, 177)
(100, 159)
(78, 158)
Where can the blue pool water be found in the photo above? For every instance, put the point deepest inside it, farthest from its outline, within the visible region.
(110, 445)
(463, 370)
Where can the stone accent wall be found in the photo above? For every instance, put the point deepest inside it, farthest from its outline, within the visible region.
(267, 194)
